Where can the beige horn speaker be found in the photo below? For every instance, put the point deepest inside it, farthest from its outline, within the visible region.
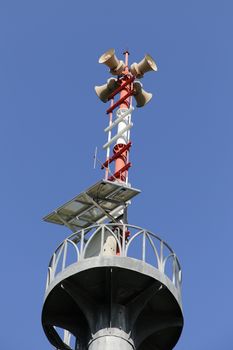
(104, 91)
(141, 96)
(109, 59)
(146, 65)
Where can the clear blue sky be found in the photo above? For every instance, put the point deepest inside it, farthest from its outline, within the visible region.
(51, 121)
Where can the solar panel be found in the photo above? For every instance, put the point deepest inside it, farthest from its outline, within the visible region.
(97, 203)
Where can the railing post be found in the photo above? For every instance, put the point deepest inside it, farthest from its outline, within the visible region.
(161, 262)
(144, 245)
(64, 255)
(177, 274)
(123, 240)
(174, 269)
(179, 278)
(102, 239)
(48, 281)
(81, 244)
(53, 266)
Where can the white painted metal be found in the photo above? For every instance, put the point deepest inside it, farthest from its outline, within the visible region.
(122, 130)
(95, 157)
(123, 124)
(109, 138)
(120, 117)
(119, 136)
(128, 137)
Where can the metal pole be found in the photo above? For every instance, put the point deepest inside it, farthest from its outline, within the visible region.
(121, 161)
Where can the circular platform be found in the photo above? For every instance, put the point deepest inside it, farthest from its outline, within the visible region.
(114, 292)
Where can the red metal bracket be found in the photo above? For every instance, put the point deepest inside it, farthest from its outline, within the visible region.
(115, 92)
(116, 155)
(125, 168)
(119, 102)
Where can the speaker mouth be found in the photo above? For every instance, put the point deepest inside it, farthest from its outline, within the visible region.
(103, 58)
(151, 63)
(141, 96)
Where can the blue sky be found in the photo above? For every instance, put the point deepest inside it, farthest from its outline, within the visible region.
(51, 121)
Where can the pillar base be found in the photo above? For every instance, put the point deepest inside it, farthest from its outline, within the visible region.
(108, 339)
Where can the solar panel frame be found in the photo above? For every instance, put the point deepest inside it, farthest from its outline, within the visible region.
(81, 211)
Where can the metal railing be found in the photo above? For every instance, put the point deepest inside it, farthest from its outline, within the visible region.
(118, 240)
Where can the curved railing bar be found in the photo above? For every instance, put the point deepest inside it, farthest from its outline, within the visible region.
(121, 225)
(180, 276)
(75, 247)
(123, 247)
(177, 272)
(64, 255)
(161, 251)
(172, 255)
(162, 241)
(49, 277)
(51, 262)
(53, 258)
(58, 256)
(131, 240)
(178, 263)
(66, 242)
(154, 250)
(90, 239)
(166, 259)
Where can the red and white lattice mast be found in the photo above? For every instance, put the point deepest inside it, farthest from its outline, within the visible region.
(123, 88)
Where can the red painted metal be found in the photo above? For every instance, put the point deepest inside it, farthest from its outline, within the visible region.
(120, 150)
(127, 234)
(116, 155)
(120, 171)
(121, 87)
(120, 102)
(125, 94)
